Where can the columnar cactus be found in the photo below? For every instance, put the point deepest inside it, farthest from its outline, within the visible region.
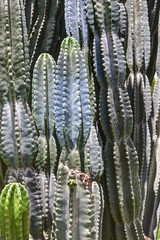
(73, 114)
(14, 212)
(77, 206)
(18, 136)
(43, 110)
(79, 124)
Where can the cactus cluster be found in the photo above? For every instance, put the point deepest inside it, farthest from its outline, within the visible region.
(79, 124)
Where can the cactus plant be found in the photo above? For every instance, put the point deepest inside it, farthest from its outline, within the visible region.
(77, 206)
(18, 135)
(14, 212)
(79, 125)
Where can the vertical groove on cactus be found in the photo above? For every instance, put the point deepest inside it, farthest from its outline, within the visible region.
(121, 232)
(111, 181)
(152, 207)
(44, 186)
(35, 30)
(44, 29)
(123, 24)
(90, 14)
(29, 6)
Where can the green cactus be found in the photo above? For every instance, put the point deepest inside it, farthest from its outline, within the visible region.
(14, 212)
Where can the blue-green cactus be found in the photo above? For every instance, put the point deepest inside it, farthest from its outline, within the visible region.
(78, 206)
(73, 113)
(91, 64)
(18, 135)
(43, 110)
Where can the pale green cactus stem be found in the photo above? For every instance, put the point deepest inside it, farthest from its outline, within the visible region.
(78, 206)
(139, 44)
(14, 55)
(14, 212)
(93, 155)
(78, 29)
(73, 114)
(18, 135)
(43, 110)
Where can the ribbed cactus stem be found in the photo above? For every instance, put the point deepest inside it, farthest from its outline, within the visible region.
(77, 205)
(18, 138)
(14, 212)
(43, 109)
(14, 47)
(73, 117)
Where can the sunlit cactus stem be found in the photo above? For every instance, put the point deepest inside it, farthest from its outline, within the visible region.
(14, 213)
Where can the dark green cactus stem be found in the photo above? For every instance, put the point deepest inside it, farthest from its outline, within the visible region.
(120, 156)
(138, 57)
(14, 212)
(43, 23)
